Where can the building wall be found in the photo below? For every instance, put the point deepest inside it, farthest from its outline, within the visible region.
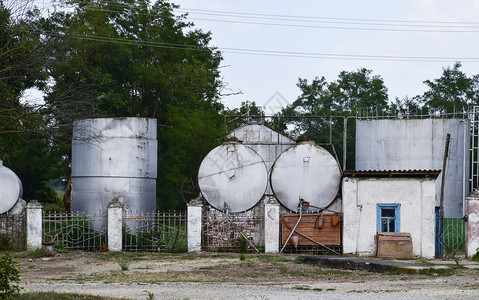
(418, 144)
(360, 199)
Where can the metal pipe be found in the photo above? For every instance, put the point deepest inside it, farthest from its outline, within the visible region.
(443, 179)
(297, 223)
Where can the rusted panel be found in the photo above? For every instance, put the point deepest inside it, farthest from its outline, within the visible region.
(326, 234)
(394, 245)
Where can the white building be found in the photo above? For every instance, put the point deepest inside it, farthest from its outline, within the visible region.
(388, 201)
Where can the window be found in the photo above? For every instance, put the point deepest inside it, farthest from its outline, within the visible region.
(388, 218)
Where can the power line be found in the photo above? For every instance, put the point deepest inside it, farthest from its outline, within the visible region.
(262, 52)
(472, 29)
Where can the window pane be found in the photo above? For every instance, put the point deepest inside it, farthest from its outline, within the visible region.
(384, 225)
(388, 212)
(391, 226)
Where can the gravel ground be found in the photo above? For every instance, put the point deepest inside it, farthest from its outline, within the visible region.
(225, 276)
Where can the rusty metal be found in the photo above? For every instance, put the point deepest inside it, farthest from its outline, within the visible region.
(307, 237)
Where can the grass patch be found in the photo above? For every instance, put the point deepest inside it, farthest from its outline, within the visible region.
(391, 272)
(60, 296)
(300, 260)
(456, 267)
(437, 272)
(273, 258)
(135, 277)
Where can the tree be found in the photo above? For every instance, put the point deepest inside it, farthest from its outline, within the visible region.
(24, 141)
(343, 97)
(130, 58)
(453, 91)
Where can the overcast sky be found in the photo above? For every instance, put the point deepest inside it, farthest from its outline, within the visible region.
(411, 31)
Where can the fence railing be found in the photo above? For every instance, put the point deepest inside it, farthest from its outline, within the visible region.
(155, 231)
(76, 231)
(12, 232)
(232, 232)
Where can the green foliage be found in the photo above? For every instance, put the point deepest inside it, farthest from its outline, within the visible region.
(453, 91)
(6, 242)
(116, 60)
(242, 244)
(9, 277)
(475, 257)
(38, 253)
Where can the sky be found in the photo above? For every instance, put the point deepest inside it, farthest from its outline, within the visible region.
(395, 39)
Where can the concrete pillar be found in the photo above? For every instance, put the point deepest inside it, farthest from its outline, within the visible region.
(115, 222)
(271, 225)
(194, 226)
(34, 225)
(472, 228)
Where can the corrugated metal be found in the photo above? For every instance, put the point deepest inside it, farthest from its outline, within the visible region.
(305, 171)
(233, 174)
(418, 144)
(114, 158)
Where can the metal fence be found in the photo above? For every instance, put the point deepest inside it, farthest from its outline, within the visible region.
(12, 232)
(451, 240)
(233, 231)
(155, 231)
(76, 231)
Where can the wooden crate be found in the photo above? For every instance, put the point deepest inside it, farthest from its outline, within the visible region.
(328, 234)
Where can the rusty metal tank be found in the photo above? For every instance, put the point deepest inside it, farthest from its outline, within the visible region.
(308, 172)
(233, 176)
(114, 157)
(10, 188)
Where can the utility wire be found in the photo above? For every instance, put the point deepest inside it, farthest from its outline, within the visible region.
(421, 28)
(262, 52)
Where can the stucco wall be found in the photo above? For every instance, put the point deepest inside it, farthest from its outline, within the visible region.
(360, 199)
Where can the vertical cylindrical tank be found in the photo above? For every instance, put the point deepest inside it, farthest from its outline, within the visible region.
(114, 157)
(10, 188)
(419, 144)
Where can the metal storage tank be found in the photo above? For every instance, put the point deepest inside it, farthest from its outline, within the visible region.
(114, 157)
(268, 143)
(10, 188)
(305, 171)
(232, 175)
(418, 144)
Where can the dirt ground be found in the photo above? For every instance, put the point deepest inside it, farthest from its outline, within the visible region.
(231, 276)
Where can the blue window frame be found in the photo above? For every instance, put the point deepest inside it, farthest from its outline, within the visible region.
(388, 218)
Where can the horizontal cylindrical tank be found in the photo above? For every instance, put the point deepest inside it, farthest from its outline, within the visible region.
(268, 143)
(232, 176)
(308, 172)
(114, 157)
(10, 188)
(418, 144)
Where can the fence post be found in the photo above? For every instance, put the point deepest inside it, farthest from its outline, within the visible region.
(271, 225)
(472, 224)
(34, 225)
(194, 225)
(115, 222)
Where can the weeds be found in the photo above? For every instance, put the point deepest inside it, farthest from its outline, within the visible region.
(437, 272)
(9, 277)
